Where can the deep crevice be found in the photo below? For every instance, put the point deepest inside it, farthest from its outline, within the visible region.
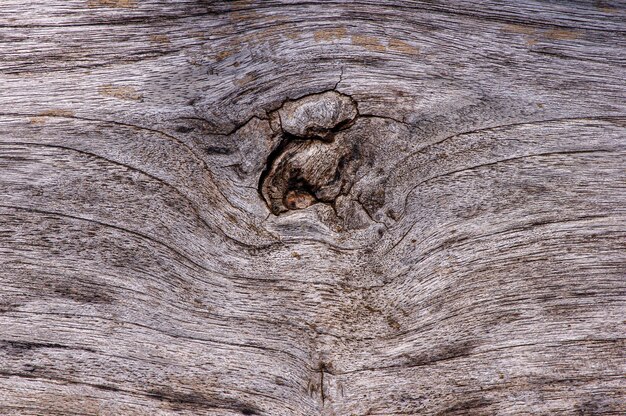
(269, 164)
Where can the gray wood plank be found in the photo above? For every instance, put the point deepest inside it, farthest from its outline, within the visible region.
(301, 208)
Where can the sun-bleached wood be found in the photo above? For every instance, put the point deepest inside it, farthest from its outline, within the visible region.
(301, 208)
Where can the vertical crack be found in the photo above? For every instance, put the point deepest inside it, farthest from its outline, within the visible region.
(322, 369)
(340, 79)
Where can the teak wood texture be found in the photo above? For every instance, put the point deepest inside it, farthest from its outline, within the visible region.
(312, 208)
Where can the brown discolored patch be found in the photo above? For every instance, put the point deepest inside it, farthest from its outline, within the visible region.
(272, 32)
(244, 15)
(531, 41)
(562, 34)
(41, 118)
(250, 39)
(122, 92)
(368, 42)
(160, 39)
(520, 29)
(198, 35)
(605, 7)
(610, 10)
(327, 35)
(240, 82)
(293, 35)
(403, 47)
(57, 113)
(122, 4)
(242, 4)
(221, 55)
(393, 323)
(297, 199)
(523, 30)
(37, 120)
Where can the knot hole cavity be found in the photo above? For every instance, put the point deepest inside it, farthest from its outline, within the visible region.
(315, 160)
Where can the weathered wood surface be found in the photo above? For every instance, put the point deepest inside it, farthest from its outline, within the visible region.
(448, 192)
